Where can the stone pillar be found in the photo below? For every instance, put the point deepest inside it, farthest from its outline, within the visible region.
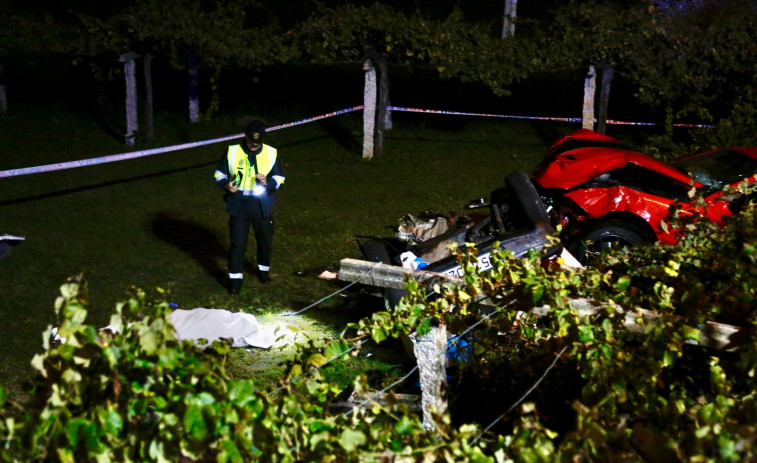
(590, 86)
(131, 97)
(369, 109)
(508, 25)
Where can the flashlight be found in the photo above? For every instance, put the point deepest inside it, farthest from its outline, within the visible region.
(258, 190)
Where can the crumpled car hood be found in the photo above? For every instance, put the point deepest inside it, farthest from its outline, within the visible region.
(570, 162)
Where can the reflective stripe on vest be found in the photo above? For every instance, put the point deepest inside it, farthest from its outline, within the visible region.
(239, 164)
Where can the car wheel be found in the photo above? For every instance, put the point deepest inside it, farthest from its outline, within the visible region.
(604, 237)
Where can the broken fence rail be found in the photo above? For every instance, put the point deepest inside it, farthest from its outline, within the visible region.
(713, 335)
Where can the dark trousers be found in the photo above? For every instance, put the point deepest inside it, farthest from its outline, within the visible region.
(239, 230)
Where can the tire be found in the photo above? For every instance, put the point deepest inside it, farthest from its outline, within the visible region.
(603, 237)
(521, 187)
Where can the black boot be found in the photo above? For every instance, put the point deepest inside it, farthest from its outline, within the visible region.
(263, 276)
(235, 286)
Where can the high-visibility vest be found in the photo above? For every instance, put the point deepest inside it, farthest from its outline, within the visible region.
(241, 167)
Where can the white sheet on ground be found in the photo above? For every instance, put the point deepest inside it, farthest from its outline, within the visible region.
(213, 324)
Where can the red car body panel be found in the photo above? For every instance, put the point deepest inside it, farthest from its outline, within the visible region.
(575, 163)
(598, 202)
(568, 169)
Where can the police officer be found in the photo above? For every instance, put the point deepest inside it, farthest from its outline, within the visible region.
(250, 173)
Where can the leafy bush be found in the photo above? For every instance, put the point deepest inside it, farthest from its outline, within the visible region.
(560, 386)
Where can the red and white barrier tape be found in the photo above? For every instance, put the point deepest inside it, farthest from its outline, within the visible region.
(166, 149)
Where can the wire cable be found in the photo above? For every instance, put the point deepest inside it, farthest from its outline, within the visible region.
(522, 398)
(370, 270)
(361, 404)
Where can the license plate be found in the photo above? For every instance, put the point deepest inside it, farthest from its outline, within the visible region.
(483, 263)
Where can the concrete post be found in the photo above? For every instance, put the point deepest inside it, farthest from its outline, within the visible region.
(430, 351)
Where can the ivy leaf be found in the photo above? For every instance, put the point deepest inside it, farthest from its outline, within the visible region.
(317, 360)
(66, 455)
(424, 326)
(148, 341)
(38, 362)
(336, 349)
(538, 293)
(111, 420)
(72, 430)
(378, 334)
(585, 333)
(691, 333)
(157, 452)
(194, 423)
(229, 452)
(623, 283)
(404, 426)
(350, 440)
(241, 392)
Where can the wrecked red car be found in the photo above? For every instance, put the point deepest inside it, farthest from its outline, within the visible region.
(606, 195)
(602, 193)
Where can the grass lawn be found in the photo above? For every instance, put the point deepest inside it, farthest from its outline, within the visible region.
(160, 221)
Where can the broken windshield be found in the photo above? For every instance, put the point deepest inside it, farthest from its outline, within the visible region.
(718, 169)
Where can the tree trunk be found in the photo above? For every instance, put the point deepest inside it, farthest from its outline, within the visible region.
(604, 97)
(384, 116)
(149, 129)
(369, 108)
(590, 85)
(131, 97)
(194, 99)
(215, 97)
(511, 12)
(3, 95)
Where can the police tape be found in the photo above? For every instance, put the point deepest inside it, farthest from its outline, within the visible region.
(167, 149)
(150, 152)
(537, 118)
(314, 118)
(502, 116)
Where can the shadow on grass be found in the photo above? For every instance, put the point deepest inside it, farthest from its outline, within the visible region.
(342, 135)
(54, 194)
(192, 238)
